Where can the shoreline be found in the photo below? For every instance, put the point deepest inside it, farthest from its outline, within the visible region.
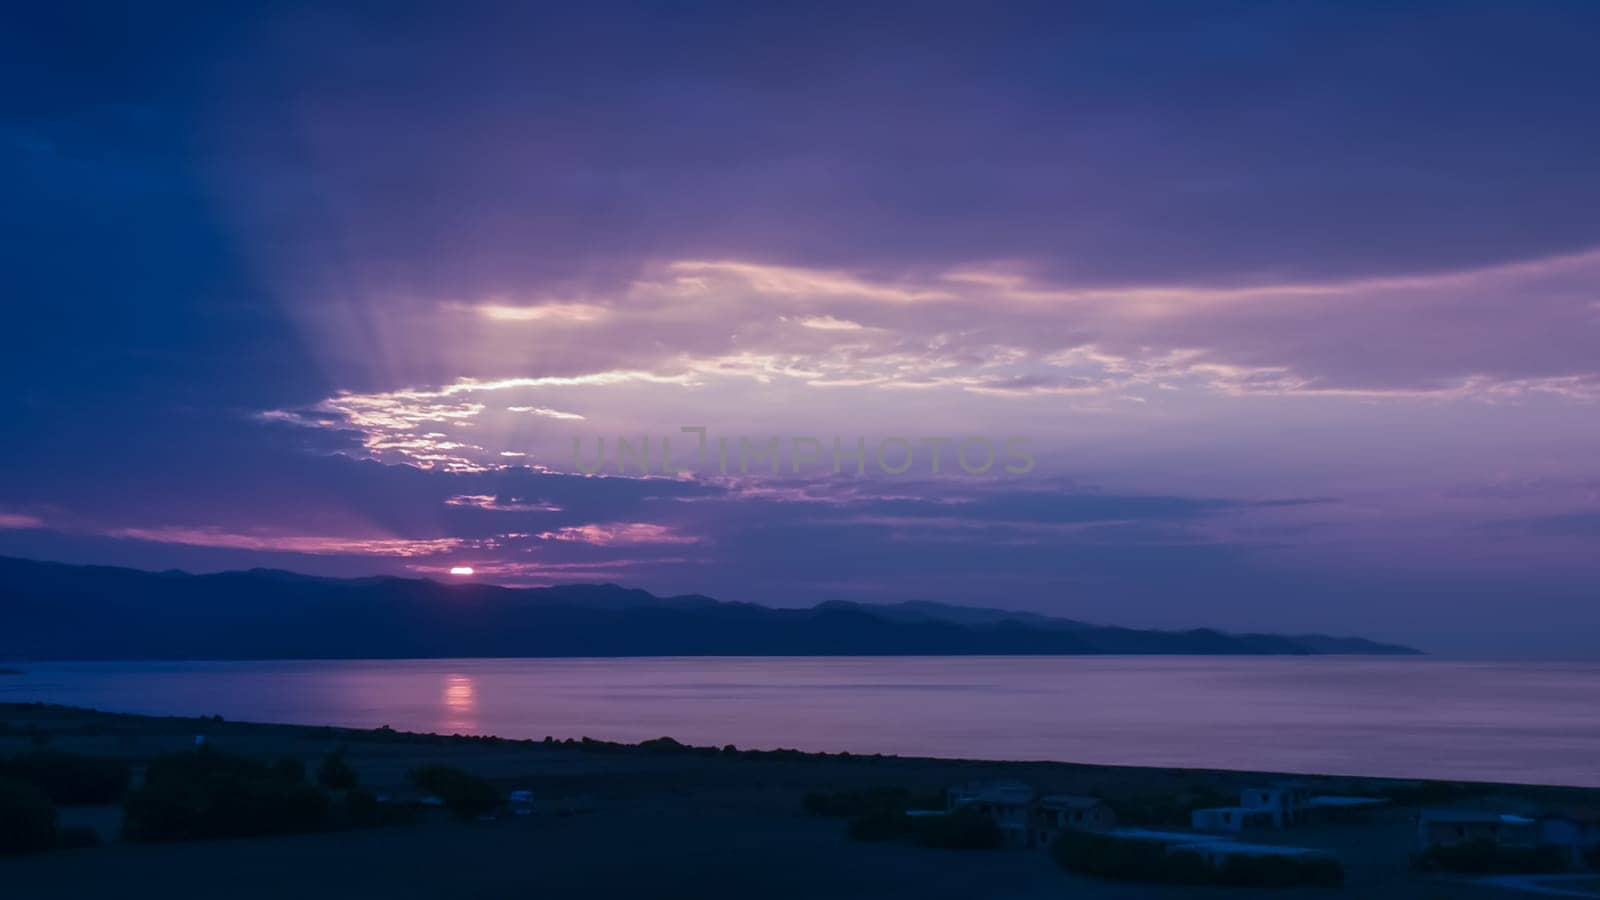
(111, 723)
(614, 817)
(1376, 718)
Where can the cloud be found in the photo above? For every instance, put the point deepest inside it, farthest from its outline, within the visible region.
(828, 323)
(696, 335)
(1584, 525)
(496, 504)
(618, 533)
(1322, 285)
(545, 312)
(317, 545)
(545, 412)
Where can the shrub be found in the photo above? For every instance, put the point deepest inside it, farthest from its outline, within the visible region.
(68, 778)
(850, 804)
(211, 794)
(289, 769)
(1108, 856)
(27, 820)
(1489, 858)
(1184, 867)
(1280, 871)
(362, 809)
(335, 774)
(662, 745)
(463, 793)
(964, 829)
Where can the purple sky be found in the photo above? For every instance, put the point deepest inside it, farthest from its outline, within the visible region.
(1297, 307)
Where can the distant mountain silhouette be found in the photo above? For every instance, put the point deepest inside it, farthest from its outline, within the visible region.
(58, 611)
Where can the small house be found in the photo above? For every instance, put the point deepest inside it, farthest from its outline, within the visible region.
(1055, 813)
(1344, 808)
(1009, 804)
(1279, 805)
(1231, 818)
(1284, 801)
(1450, 827)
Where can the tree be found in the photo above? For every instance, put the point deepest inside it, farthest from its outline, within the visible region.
(335, 774)
(463, 793)
(27, 820)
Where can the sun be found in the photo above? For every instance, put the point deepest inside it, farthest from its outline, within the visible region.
(460, 570)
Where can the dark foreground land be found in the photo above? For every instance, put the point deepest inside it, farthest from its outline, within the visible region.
(661, 822)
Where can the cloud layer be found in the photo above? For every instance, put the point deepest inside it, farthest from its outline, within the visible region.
(1298, 307)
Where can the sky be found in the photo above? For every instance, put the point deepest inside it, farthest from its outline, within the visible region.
(1274, 316)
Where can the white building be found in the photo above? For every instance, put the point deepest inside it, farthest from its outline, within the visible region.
(1230, 818)
(1449, 827)
(1284, 801)
(1009, 804)
(1055, 813)
(1280, 805)
(1027, 819)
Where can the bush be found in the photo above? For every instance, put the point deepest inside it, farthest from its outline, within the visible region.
(289, 769)
(335, 774)
(68, 778)
(1108, 856)
(463, 793)
(362, 809)
(1280, 871)
(27, 820)
(963, 829)
(850, 804)
(1489, 858)
(211, 794)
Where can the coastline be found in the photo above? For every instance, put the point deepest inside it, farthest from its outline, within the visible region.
(141, 734)
(615, 818)
(1394, 718)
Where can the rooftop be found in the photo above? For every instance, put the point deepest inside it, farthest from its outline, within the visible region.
(1337, 800)
(1070, 801)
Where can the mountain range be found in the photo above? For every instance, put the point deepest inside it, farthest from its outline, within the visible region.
(60, 611)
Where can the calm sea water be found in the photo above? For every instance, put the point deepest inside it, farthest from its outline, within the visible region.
(1535, 722)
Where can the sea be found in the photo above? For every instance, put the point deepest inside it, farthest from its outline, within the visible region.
(1405, 717)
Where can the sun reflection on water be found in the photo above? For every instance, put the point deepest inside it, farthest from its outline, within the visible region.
(460, 704)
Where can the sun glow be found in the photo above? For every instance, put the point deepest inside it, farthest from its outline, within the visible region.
(460, 570)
